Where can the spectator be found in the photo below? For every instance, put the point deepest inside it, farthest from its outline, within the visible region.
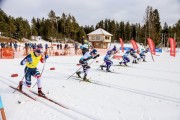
(60, 46)
(76, 47)
(57, 46)
(65, 49)
(10, 44)
(46, 46)
(83, 40)
(15, 46)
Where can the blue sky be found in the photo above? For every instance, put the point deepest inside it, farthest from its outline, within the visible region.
(91, 12)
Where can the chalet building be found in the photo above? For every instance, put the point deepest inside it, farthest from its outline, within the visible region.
(100, 38)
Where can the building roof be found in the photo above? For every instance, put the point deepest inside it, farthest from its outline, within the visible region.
(100, 31)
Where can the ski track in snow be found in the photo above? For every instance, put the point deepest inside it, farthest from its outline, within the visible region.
(154, 95)
(83, 116)
(54, 108)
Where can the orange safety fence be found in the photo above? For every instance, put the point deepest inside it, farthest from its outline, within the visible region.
(7, 53)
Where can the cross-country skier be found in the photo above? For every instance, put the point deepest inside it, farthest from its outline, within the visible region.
(132, 53)
(125, 58)
(142, 54)
(31, 62)
(107, 59)
(114, 50)
(84, 48)
(84, 62)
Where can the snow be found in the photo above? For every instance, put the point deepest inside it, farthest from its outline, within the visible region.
(145, 91)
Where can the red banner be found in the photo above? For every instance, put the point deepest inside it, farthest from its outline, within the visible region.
(7, 53)
(151, 46)
(172, 47)
(133, 42)
(122, 44)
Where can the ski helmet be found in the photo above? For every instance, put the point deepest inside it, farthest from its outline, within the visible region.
(94, 51)
(114, 48)
(109, 52)
(81, 47)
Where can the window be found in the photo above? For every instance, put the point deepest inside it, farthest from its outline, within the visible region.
(93, 37)
(106, 37)
(97, 37)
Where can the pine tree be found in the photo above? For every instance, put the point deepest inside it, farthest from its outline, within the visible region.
(122, 30)
(127, 32)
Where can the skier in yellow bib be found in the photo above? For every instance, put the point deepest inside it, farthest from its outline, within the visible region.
(31, 62)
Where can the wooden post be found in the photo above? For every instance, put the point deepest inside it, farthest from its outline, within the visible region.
(2, 110)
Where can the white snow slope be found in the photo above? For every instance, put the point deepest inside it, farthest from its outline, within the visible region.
(145, 91)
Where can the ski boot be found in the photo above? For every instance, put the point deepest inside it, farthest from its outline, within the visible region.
(138, 59)
(20, 85)
(78, 74)
(135, 62)
(40, 93)
(144, 60)
(85, 79)
(125, 64)
(107, 70)
(101, 67)
(120, 63)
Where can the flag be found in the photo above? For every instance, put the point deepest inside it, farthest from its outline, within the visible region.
(122, 44)
(133, 42)
(151, 46)
(172, 43)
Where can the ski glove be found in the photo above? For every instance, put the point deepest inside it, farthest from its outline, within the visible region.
(23, 62)
(29, 59)
(89, 57)
(96, 56)
(46, 56)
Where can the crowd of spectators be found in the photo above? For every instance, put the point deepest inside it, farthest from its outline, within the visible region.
(9, 45)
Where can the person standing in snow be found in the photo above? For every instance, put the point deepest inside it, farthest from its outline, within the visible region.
(58, 46)
(15, 46)
(31, 62)
(84, 62)
(83, 40)
(76, 48)
(46, 46)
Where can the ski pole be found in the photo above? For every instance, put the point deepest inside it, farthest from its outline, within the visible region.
(100, 65)
(79, 69)
(74, 73)
(41, 73)
(152, 57)
(21, 80)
